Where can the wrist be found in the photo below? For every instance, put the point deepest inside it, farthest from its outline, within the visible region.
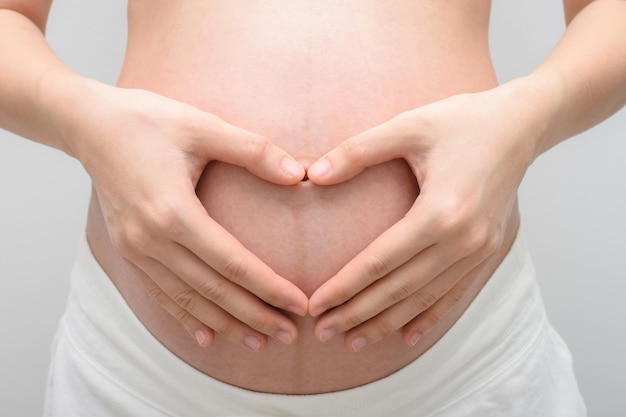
(65, 99)
(536, 103)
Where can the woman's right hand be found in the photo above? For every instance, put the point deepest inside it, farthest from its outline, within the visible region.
(145, 154)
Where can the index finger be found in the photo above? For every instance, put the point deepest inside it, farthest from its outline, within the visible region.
(393, 139)
(237, 146)
(397, 245)
(225, 254)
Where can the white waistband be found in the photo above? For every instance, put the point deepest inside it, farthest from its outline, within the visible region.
(499, 326)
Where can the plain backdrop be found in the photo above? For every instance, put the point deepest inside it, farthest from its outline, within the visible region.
(573, 203)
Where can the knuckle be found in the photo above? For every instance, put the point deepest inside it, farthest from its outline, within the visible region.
(355, 149)
(451, 216)
(259, 322)
(182, 316)
(492, 243)
(454, 297)
(132, 237)
(482, 239)
(432, 316)
(159, 296)
(377, 266)
(256, 147)
(186, 299)
(423, 300)
(122, 243)
(213, 290)
(130, 241)
(399, 290)
(474, 240)
(236, 270)
(165, 216)
(352, 319)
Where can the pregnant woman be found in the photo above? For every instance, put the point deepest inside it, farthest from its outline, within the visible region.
(308, 207)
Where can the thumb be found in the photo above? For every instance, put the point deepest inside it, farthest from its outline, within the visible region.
(382, 143)
(256, 153)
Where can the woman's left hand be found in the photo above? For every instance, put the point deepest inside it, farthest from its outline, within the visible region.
(469, 154)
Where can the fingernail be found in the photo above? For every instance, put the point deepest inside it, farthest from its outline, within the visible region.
(284, 337)
(320, 168)
(252, 342)
(414, 338)
(327, 334)
(358, 343)
(201, 337)
(290, 167)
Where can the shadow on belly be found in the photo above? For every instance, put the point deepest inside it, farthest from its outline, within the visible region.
(306, 232)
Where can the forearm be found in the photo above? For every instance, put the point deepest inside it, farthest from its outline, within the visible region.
(583, 80)
(35, 86)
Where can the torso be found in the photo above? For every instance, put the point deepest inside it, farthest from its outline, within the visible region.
(307, 74)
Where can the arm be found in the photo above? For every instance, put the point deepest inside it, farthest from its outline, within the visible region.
(26, 59)
(124, 139)
(586, 72)
(469, 153)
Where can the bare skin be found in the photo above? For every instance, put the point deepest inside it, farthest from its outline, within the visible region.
(307, 100)
(199, 214)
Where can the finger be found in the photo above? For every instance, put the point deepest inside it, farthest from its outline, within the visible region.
(443, 292)
(400, 284)
(444, 311)
(228, 257)
(202, 281)
(203, 335)
(254, 152)
(398, 244)
(390, 140)
(180, 299)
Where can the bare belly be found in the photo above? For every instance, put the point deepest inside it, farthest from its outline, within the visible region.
(307, 74)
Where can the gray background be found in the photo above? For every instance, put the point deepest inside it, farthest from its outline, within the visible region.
(573, 202)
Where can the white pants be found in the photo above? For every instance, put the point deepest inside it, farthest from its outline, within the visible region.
(502, 358)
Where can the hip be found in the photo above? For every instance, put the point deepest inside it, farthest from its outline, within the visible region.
(501, 357)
